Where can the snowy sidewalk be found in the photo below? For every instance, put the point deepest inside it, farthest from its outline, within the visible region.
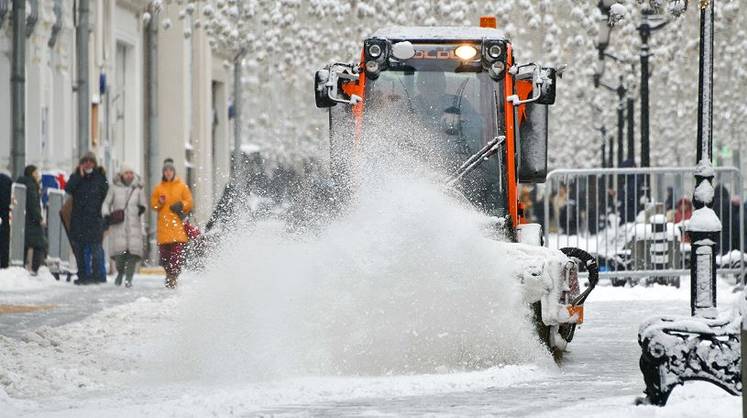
(27, 303)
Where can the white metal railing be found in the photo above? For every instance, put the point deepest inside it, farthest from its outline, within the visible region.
(633, 219)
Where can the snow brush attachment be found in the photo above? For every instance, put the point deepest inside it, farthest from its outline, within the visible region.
(590, 263)
(557, 336)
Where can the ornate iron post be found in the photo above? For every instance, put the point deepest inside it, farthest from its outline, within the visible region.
(704, 346)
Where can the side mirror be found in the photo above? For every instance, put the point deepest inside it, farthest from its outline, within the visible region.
(549, 77)
(543, 83)
(320, 92)
(533, 144)
(328, 84)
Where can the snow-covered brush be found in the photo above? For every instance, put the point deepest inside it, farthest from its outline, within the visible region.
(675, 7)
(617, 13)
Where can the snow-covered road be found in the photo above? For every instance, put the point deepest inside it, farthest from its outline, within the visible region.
(96, 359)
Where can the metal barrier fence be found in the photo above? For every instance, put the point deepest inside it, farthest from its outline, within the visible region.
(17, 224)
(633, 219)
(58, 255)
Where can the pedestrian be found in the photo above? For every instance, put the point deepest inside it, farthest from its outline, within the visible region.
(683, 210)
(123, 209)
(35, 241)
(88, 188)
(6, 185)
(172, 200)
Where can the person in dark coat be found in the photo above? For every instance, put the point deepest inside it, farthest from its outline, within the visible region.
(88, 187)
(629, 193)
(35, 241)
(6, 184)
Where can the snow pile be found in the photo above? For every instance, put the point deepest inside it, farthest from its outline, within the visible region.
(606, 293)
(704, 220)
(80, 356)
(693, 400)
(18, 279)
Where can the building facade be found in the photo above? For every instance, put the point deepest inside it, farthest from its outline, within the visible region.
(191, 85)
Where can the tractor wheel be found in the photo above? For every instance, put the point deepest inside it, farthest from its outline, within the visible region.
(566, 332)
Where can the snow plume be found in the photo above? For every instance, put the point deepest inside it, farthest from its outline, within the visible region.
(402, 281)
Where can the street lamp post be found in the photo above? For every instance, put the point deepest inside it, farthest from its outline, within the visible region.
(704, 346)
(605, 31)
(621, 93)
(647, 27)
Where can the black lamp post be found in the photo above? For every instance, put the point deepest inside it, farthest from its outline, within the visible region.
(703, 346)
(649, 24)
(603, 41)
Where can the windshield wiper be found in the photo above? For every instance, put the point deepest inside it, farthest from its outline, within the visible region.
(490, 149)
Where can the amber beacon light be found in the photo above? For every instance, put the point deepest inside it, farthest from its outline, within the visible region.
(488, 22)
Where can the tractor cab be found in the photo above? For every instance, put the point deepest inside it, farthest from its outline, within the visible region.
(456, 94)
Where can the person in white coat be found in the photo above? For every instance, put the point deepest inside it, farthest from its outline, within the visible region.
(123, 211)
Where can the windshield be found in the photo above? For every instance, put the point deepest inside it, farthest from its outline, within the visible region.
(445, 112)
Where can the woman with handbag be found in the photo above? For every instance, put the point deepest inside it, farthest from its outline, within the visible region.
(122, 210)
(172, 201)
(35, 239)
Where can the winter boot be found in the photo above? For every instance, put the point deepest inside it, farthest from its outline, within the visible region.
(170, 281)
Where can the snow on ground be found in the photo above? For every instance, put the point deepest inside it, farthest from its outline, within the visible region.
(78, 369)
(102, 366)
(17, 279)
(606, 292)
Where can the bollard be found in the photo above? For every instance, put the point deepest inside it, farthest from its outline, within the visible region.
(54, 231)
(17, 225)
(58, 256)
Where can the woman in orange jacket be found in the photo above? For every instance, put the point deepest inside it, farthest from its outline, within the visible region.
(172, 201)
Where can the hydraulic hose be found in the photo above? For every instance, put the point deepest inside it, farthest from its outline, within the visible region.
(590, 262)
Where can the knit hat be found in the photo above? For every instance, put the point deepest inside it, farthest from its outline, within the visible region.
(168, 163)
(88, 156)
(125, 167)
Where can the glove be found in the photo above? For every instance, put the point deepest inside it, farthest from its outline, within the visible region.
(177, 207)
(140, 210)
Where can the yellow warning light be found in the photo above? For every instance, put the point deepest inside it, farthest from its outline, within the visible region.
(465, 52)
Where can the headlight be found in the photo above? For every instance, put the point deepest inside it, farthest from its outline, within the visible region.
(374, 51)
(496, 70)
(494, 51)
(372, 66)
(466, 52)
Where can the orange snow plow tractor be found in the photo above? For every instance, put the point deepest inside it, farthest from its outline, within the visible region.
(485, 117)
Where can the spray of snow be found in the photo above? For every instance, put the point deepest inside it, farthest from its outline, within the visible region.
(403, 281)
